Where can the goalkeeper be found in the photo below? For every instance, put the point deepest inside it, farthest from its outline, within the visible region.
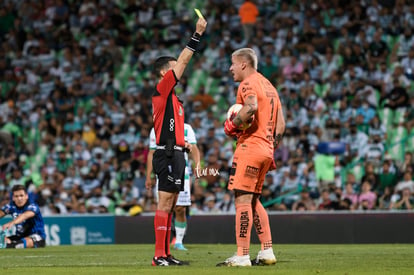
(253, 156)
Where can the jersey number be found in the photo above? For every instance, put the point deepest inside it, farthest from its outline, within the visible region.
(272, 102)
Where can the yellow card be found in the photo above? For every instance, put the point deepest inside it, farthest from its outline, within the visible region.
(198, 12)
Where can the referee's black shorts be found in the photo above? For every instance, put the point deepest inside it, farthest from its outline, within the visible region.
(169, 170)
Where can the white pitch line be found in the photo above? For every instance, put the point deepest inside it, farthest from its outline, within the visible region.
(43, 256)
(75, 265)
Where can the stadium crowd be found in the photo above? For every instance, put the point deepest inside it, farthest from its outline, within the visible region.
(76, 86)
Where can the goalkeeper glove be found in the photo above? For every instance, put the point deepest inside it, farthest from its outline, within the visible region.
(230, 128)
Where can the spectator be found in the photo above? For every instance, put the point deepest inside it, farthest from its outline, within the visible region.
(407, 164)
(63, 161)
(367, 111)
(405, 201)
(385, 200)
(397, 98)
(374, 151)
(209, 205)
(366, 199)
(226, 205)
(290, 183)
(294, 67)
(408, 63)
(356, 140)
(325, 201)
(204, 99)
(406, 182)
(16, 179)
(378, 49)
(268, 68)
(98, 203)
(386, 177)
(129, 195)
(248, 13)
(304, 203)
(376, 128)
(396, 79)
(370, 174)
(350, 194)
(405, 41)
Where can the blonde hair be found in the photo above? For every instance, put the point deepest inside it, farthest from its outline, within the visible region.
(248, 54)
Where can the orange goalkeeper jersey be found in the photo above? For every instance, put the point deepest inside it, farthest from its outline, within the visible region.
(260, 136)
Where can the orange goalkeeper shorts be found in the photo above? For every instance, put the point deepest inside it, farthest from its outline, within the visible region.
(248, 171)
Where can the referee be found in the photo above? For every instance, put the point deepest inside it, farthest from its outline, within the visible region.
(168, 160)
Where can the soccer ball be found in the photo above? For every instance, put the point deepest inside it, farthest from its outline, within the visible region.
(232, 112)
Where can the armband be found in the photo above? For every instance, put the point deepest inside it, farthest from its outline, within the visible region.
(194, 41)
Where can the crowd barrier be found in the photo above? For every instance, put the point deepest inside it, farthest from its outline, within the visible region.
(287, 228)
(78, 230)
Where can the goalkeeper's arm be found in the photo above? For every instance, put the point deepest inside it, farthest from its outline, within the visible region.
(280, 126)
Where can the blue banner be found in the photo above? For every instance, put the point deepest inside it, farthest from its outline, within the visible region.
(78, 230)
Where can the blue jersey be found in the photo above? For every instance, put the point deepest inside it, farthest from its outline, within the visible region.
(30, 226)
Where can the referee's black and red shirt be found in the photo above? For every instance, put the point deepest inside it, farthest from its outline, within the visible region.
(168, 112)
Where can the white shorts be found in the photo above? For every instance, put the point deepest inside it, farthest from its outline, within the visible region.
(184, 197)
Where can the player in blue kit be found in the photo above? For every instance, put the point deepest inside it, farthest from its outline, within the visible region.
(30, 231)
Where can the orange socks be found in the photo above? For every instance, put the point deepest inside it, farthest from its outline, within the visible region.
(244, 217)
(261, 223)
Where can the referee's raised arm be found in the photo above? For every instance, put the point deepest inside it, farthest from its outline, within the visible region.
(190, 48)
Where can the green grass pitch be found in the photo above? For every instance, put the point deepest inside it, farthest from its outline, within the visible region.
(136, 259)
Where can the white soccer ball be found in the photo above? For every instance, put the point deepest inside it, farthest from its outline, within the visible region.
(232, 112)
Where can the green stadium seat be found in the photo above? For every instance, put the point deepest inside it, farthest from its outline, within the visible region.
(321, 89)
(391, 40)
(77, 33)
(336, 45)
(397, 134)
(111, 207)
(126, 51)
(129, 20)
(337, 104)
(121, 4)
(340, 61)
(397, 152)
(386, 116)
(212, 85)
(377, 95)
(397, 141)
(38, 159)
(410, 141)
(398, 117)
(197, 78)
(358, 171)
(124, 73)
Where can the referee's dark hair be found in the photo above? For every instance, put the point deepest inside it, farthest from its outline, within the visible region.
(162, 63)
